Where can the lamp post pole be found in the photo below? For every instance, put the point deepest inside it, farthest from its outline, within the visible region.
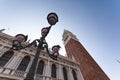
(52, 19)
(31, 73)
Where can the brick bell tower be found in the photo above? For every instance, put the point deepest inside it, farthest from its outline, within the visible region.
(75, 51)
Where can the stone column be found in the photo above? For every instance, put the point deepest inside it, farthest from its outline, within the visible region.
(60, 72)
(28, 67)
(47, 69)
(2, 50)
(10, 66)
(70, 75)
(79, 75)
(14, 62)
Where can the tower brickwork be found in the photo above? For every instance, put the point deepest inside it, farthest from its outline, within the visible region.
(89, 68)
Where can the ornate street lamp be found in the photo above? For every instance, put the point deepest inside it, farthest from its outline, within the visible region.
(20, 38)
(52, 18)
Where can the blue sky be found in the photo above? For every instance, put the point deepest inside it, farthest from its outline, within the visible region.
(96, 23)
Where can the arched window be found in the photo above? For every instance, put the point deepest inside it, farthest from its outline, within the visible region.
(24, 63)
(74, 75)
(6, 57)
(53, 71)
(65, 73)
(40, 67)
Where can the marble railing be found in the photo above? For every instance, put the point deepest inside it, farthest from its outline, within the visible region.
(20, 75)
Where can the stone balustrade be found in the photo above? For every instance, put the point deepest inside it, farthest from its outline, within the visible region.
(11, 74)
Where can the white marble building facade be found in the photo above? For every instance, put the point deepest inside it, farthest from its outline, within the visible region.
(10, 62)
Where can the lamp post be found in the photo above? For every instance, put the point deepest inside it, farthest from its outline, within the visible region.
(19, 38)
